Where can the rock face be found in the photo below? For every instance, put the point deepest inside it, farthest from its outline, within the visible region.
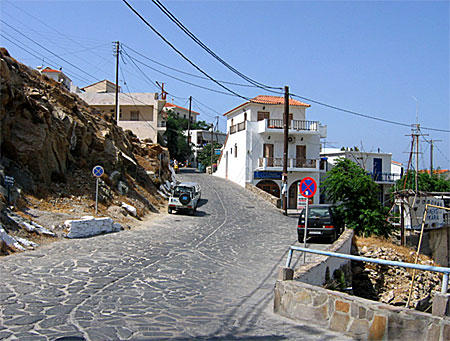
(390, 284)
(50, 140)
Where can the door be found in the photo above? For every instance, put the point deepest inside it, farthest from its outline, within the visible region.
(300, 159)
(377, 169)
(268, 153)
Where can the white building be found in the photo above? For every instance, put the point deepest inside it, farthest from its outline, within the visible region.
(181, 112)
(200, 138)
(379, 166)
(60, 77)
(253, 150)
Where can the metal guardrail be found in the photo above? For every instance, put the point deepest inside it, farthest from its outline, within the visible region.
(445, 271)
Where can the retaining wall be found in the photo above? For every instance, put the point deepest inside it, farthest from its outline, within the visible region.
(304, 300)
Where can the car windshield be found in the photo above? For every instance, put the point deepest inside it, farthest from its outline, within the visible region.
(317, 212)
(182, 189)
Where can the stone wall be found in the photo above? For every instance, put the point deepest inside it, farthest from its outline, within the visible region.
(357, 317)
(314, 273)
(263, 194)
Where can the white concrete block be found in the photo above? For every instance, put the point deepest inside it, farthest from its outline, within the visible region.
(89, 226)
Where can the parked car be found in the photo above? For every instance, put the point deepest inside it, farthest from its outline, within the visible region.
(185, 197)
(322, 221)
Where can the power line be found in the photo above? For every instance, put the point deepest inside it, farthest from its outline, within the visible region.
(363, 115)
(46, 49)
(179, 79)
(184, 72)
(180, 53)
(209, 51)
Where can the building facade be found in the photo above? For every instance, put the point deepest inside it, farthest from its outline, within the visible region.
(200, 138)
(253, 150)
(142, 113)
(379, 166)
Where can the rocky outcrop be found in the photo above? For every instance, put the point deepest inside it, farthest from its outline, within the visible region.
(390, 285)
(50, 140)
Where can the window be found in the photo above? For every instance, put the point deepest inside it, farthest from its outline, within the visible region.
(134, 115)
(263, 115)
(235, 150)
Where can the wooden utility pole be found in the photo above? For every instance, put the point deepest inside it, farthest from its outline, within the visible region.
(116, 53)
(285, 152)
(189, 121)
(212, 147)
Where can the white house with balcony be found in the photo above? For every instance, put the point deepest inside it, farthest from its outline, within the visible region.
(379, 166)
(142, 112)
(253, 150)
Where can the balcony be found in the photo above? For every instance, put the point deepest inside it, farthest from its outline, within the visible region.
(276, 125)
(294, 164)
(237, 127)
(385, 177)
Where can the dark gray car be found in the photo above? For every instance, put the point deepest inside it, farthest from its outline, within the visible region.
(322, 221)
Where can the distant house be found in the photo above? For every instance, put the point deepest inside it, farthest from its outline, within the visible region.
(200, 138)
(181, 112)
(60, 77)
(379, 166)
(253, 150)
(142, 113)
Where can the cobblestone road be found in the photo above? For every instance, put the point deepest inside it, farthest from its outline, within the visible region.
(209, 276)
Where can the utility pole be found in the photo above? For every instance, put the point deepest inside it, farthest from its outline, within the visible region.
(189, 121)
(116, 54)
(212, 147)
(431, 155)
(285, 152)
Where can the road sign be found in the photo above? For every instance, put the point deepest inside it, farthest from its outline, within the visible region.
(9, 180)
(308, 187)
(98, 171)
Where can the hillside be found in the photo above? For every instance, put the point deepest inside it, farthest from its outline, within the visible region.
(50, 141)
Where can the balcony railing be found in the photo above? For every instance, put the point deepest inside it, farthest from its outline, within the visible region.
(384, 177)
(293, 124)
(237, 127)
(264, 162)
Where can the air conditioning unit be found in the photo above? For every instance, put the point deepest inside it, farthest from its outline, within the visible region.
(291, 139)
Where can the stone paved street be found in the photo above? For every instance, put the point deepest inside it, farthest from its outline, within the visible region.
(208, 276)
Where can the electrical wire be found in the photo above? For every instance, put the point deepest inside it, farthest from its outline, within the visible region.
(184, 72)
(46, 49)
(363, 115)
(181, 54)
(179, 79)
(209, 51)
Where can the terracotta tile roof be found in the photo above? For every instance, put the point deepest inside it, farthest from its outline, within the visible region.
(270, 100)
(262, 99)
(171, 105)
(47, 69)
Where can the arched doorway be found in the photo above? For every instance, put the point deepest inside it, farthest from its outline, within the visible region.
(269, 186)
(293, 195)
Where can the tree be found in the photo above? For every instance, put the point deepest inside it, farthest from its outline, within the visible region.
(204, 156)
(176, 140)
(357, 196)
(426, 182)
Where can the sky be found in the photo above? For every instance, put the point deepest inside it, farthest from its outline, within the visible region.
(384, 59)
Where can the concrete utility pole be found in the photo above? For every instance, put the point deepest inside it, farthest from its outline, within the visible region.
(116, 54)
(285, 153)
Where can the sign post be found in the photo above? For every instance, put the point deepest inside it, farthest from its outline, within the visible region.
(308, 188)
(97, 171)
(9, 182)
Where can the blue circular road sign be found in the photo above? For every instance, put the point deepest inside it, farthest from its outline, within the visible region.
(308, 187)
(98, 171)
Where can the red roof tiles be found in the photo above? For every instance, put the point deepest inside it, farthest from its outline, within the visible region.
(171, 105)
(270, 100)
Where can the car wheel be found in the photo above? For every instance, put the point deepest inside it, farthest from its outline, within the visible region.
(192, 211)
(169, 210)
(300, 236)
(334, 236)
